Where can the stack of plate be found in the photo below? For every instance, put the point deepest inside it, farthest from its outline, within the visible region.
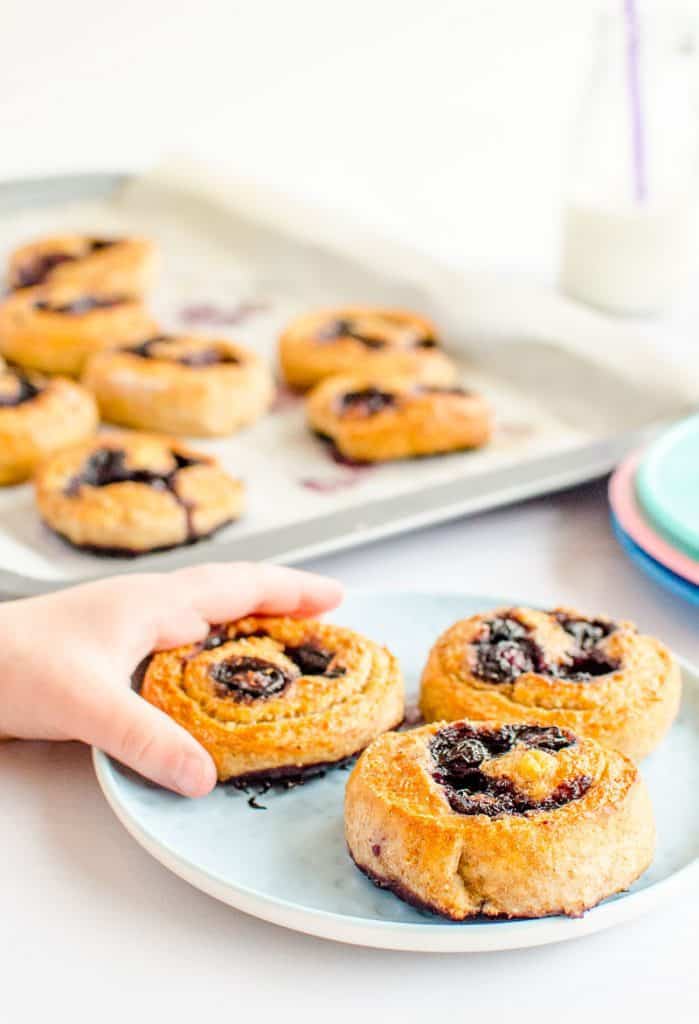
(654, 496)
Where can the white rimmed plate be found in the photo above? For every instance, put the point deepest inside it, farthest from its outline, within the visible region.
(288, 864)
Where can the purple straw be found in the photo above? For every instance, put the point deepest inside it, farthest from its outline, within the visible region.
(634, 84)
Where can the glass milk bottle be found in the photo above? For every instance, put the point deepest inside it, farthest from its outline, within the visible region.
(628, 218)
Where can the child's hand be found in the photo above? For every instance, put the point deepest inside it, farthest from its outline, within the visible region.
(68, 657)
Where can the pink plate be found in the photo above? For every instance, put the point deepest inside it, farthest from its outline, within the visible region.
(622, 497)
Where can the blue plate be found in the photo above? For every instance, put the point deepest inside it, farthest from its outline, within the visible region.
(678, 585)
(288, 864)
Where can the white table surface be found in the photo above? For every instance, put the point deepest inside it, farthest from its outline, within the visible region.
(90, 921)
(442, 124)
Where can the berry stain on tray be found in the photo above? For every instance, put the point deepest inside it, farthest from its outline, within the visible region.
(202, 313)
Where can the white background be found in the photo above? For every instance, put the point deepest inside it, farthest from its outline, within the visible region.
(434, 119)
(441, 123)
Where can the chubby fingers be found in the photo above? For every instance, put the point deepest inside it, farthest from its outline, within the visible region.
(121, 723)
(219, 592)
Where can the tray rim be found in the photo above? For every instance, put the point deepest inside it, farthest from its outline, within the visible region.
(346, 528)
(441, 936)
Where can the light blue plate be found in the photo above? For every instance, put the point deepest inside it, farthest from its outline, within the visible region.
(288, 864)
(677, 585)
(667, 485)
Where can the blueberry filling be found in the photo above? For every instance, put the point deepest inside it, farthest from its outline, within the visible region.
(23, 391)
(583, 668)
(367, 401)
(587, 661)
(215, 638)
(108, 466)
(461, 747)
(312, 660)
(85, 304)
(36, 271)
(203, 357)
(246, 679)
(336, 455)
(587, 633)
(505, 650)
(345, 328)
(459, 751)
(144, 348)
(309, 658)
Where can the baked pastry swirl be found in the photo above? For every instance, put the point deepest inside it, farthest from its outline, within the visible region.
(362, 340)
(397, 418)
(597, 677)
(128, 494)
(501, 820)
(120, 266)
(181, 385)
(275, 698)
(38, 417)
(54, 328)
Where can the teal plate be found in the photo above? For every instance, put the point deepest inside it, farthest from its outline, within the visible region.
(289, 865)
(667, 485)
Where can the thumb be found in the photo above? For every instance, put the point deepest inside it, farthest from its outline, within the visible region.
(139, 735)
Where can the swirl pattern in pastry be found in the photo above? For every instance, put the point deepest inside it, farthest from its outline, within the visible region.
(54, 328)
(362, 340)
(181, 384)
(397, 418)
(278, 697)
(120, 266)
(501, 820)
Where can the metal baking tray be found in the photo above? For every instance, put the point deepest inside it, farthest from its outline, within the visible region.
(602, 411)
